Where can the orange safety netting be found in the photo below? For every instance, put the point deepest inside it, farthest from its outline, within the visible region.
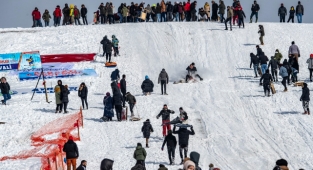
(49, 140)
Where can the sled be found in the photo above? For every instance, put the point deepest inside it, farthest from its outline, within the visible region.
(272, 88)
(180, 125)
(260, 71)
(299, 83)
(110, 64)
(135, 119)
(2, 122)
(143, 16)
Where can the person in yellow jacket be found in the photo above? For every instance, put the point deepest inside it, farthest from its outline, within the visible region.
(207, 10)
(72, 14)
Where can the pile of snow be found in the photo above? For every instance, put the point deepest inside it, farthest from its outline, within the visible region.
(236, 127)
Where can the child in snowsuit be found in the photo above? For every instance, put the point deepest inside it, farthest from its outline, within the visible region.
(146, 129)
(115, 45)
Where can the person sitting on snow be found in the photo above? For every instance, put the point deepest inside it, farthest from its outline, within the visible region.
(192, 71)
(147, 86)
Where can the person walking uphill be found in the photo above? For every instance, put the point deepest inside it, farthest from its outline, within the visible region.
(294, 49)
(108, 51)
(305, 98)
(123, 88)
(171, 142)
(131, 101)
(282, 12)
(299, 12)
(83, 93)
(263, 61)
(284, 74)
(255, 61)
(115, 75)
(146, 129)
(278, 56)
(267, 79)
(115, 45)
(104, 41)
(147, 86)
(64, 97)
(254, 11)
(108, 112)
(230, 15)
(140, 155)
(71, 150)
(117, 103)
(261, 33)
(5, 90)
(183, 140)
(274, 67)
(165, 113)
(310, 66)
(163, 79)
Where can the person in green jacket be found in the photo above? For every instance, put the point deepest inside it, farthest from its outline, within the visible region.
(278, 56)
(140, 154)
(46, 17)
(125, 12)
(162, 167)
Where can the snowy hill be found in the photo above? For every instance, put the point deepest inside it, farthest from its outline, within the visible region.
(236, 127)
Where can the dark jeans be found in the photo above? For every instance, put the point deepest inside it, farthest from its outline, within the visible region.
(169, 16)
(291, 18)
(282, 17)
(163, 85)
(103, 18)
(131, 108)
(148, 17)
(254, 13)
(141, 162)
(118, 110)
(171, 153)
(6, 97)
(124, 98)
(311, 70)
(108, 56)
(46, 23)
(77, 20)
(85, 20)
(124, 19)
(65, 20)
(187, 15)
(284, 82)
(111, 19)
(116, 52)
(274, 74)
(266, 88)
(241, 21)
(255, 67)
(59, 107)
(228, 19)
(57, 21)
(163, 17)
(65, 106)
(181, 149)
(84, 100)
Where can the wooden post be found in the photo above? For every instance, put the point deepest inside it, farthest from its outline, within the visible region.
(56, 161)
(81, 116)
(78, 129)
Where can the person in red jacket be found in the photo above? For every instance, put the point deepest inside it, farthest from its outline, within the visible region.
(187, 11)
(57, 16)
(37, 17)
(236, 10)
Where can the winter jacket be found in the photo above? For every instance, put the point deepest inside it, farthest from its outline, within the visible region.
(193, 7)
(293, 63)
(255, 8)
(64, 95)
(300, 9)
(108, 47)
(57, 93)
(214, 8)
(261, 31)
(5, 88)
(165, 113)
(163, 7)
(283, 71)
(163, 76)
(130, 98)
(170, 141)
(158, 9)
(259, 51)
(267, 78)
(195, 157)
(117, 99)
(57, 12)
(273, 63)
(110, 10)
(81, 167)
(187, 7)
(83, 11)
(183, 135)
(106, 164)
(147, 86)
(71, 150)
(102, 9)
(180, 9)
(36, 15)
(115, 42)
(71, 10)
(183, 115)
(108, 106)
(169, 8)
(293, 49)
(125, 11)
(140, 153)
(76, 13)
(230, 13)
(115, 88)
(278, 56)
(221, 8)
(310, 63)
(254, 59)
(263, 59)
(46, 16)
(148, 9)
(292, 12)
(191, 70)
(282, 11)
(123, 85)
(83, 92)
(104, 41)
(241, 14)
(66, 11)
(305, 94)
(146, 129)
(207, 9)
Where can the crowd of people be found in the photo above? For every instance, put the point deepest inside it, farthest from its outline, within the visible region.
(159, 12)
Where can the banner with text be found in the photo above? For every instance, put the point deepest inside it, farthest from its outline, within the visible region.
(20, 61)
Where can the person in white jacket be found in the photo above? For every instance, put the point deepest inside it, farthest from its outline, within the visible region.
(294, 49)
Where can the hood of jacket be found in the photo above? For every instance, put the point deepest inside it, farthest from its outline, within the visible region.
(195, 157)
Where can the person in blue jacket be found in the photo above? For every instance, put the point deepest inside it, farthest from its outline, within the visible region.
(284, 73)
(115, 45)
(115, 75)
(108, 107)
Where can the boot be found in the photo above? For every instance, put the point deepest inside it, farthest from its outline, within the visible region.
(308, 112)
(285, 89)
(305, 112)
(256, 20)
(250, 20)
(147, 146)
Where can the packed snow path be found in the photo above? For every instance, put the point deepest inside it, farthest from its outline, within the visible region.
(236, 127)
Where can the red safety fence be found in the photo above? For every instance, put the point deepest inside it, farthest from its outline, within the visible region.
(66, 58)
(48, 141)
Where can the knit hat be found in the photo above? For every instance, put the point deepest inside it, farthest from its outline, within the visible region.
(277, 50)
(211, 165)
(139, 144)
(146, 77)
(281, 162)
(107, 94)
(311, 55)
(70, 138)
(147, 120)
(188, 163)
(292, 42)
(305, 85)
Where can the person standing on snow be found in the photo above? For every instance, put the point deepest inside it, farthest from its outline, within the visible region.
(76, 15)
(83, 93)
(183, 140)
(83, 12)
(71, 150)
(183, 116)
(241, 16)
(108, 107)
(58, 101)
(57, 16)
(64, 97)
(117, 103)
(147, 86)
(310, 66)
(66, 15)
(146, 129)
(115, 45)
(140, 155)
(261, 33)
(165, 113)
(229, 17)
(221, 11)
(83, 165)
(299, 12)
(5, 90)
(267, 79)
(131, 101)
(263, 61)
(284, 74)
(37, 17)
(192, 71)
(215, 8)
(104, 41)
(123, 88)
(274, 67)
(291, 14)
(163, 79)
(171, 142)
(305, 98)
(282, 12)
(255, 61)
(254, 11)
(46, 17)
(294, 49)
(278, 56)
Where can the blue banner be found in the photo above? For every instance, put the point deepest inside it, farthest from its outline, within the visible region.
(20, 61)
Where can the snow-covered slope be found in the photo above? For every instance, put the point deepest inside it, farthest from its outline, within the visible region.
(236, 127)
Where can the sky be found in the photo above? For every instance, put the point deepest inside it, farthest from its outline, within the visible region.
(17, 13)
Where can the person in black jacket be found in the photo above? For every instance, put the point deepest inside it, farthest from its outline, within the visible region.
(5, 90)
(123, 88)
(131, 101)
(241, 15)
(255, 10)
(146, 129)
(274, 67)
(192, 71)
(106, 164)
(71, 150)
(163, 79)
(291, 14)
(64, 97)
(305, 98)
(104, 41)
(214, 11)
(193, 11)
(282, 12)
(258, 50)
(83, 93)
(263, 61)
(195, 157)
(255, 61)
(117, 103)
(83, 165)
(171, 142)
(169, 10)
(183, 139)
(267, 79)
(108, 50)
(147, 86)
(83, 12)
(165, 113)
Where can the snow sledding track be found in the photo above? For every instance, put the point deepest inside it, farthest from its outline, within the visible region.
(236, 127)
